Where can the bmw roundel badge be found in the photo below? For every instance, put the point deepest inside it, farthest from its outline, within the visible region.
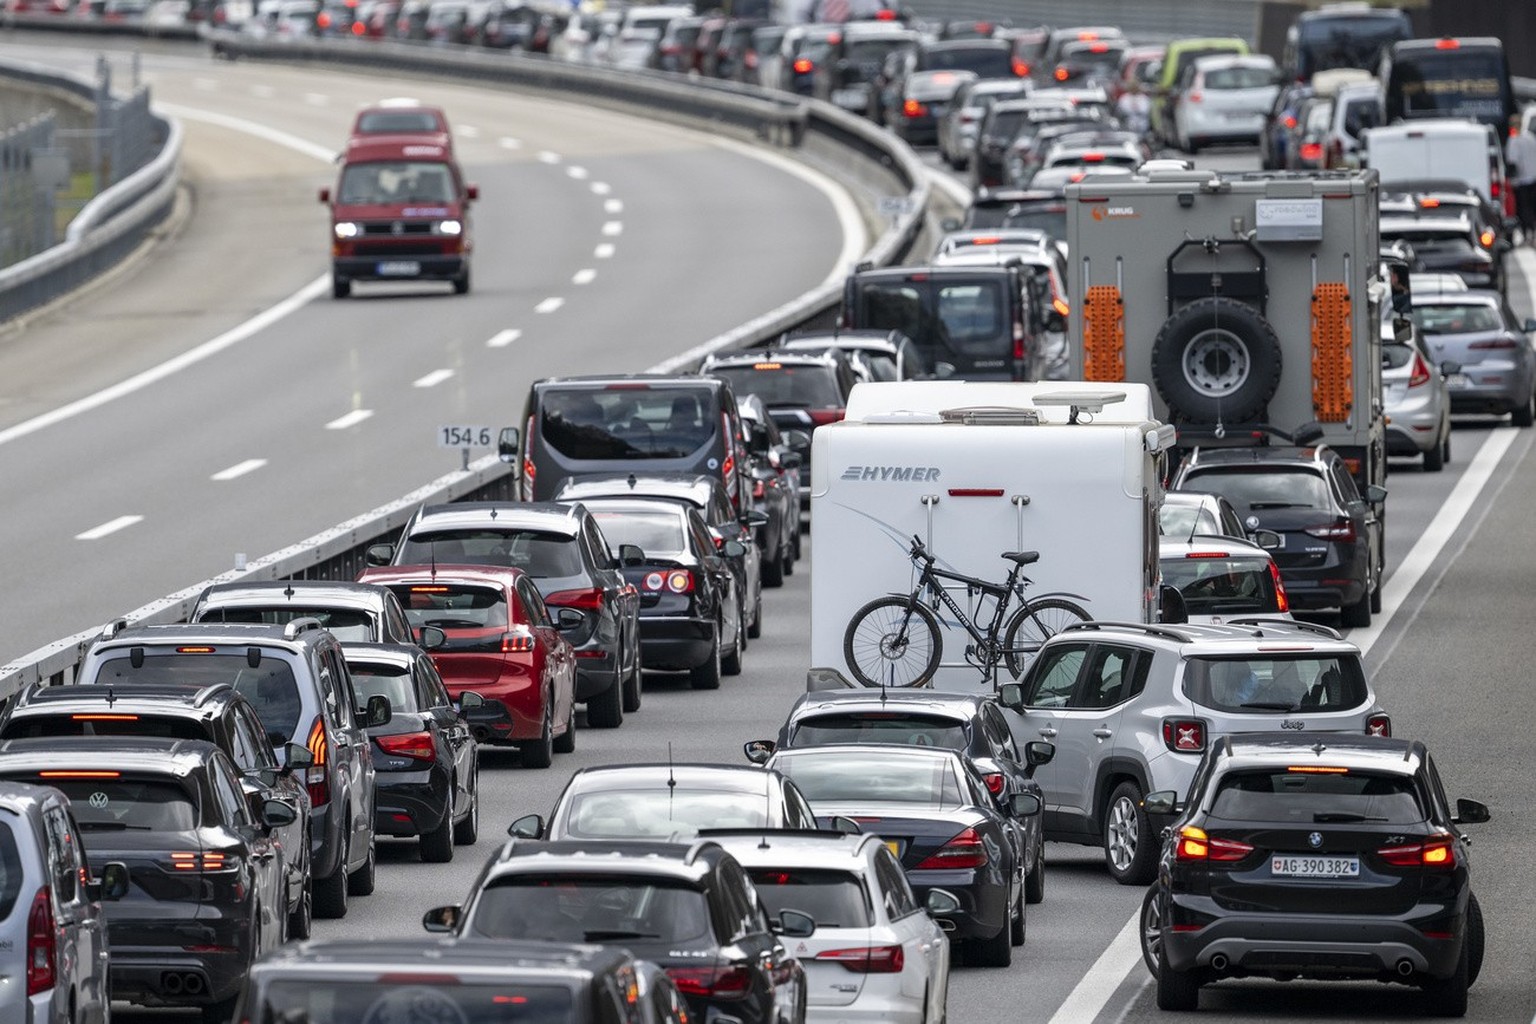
(1315, 839)
(1252, 522)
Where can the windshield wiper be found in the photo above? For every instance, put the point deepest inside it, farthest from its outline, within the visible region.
(1338, 817)
(609, 936)
(112, 826)
(1278, 504)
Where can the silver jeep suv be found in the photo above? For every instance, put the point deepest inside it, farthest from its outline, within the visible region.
(1133, 707)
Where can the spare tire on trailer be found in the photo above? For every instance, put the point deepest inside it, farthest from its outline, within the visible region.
(1216, 360)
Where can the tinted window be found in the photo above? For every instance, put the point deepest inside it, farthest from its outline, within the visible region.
(1186, 521)
(35, 726)
(1395, 357)
(844, 777)
(1345, 42)
(472, 618)
(346, 623)
(1054, 677)
(1309, 797)
(880, 727)
(1223, 586)
(620, 814)
(1457, 319)
(10, 870)
(628, 422)
(394, 182)
(394, 122)
(779, 384)
(836, 899)
(1277, 684)
(589, 908)
(987, 63)
(270, 686)
(1048, 217)
(1104, 684)
(120, 805)
(1272, 488)
(1461, 83)
(1239, 78)
(463, 1002)
(370, 679)
(536, 552)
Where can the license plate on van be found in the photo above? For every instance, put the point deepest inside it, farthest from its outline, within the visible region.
(399, 268)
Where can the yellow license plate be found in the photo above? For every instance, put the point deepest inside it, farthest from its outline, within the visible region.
(893, 846)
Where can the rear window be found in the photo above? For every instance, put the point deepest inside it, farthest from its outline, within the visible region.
(1239, 78)
(536, 552)
(836, 899)
(10, 871)
(1181, 521)
(1457, 319)
(880, 727)
(1283, 685)
(651, 532)
(127, 805)
(990, 62)
(1223, 586)
(269, 685)
(104, 723)
(394, 122)
(590, 908)
(964, 317)
(1395, 357)
(393, 182)
(1308, 797)
(845, 777)
(785, 384)
(451, 1000)
(1048, 217)
(627, 422)
(472, 618)
(873, 51)
(370, 679)
(1270, 488)
(661, 812)
(348, 624)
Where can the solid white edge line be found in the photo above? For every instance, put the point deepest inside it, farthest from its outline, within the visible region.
(111, 526)
(586, 275)
(324, 154)
(1106, 974)
(238, 470)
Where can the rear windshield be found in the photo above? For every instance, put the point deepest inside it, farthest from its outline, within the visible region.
(836, 899)
(128, 805)
(962, 317)
(1272, 488)
(780, 384)
(1394, 357)
(1181, 521)
(1283, 685)
(1305, 797)
(659, 813)
(394, 122)
(590, 908)
(651, 532)
(989, 62)
(269, 685)
(1048, 217)
(349, 624)
(873, 51)
(393, 682)
(1239, 78)
(450, 1000)
(628, 423)
(1452, 319)
(843, 777)
(395, 181)
(1431, 237)
(472, 618)
(10, 871)
(536, 552)
(880, 727)
(105, 723)
(1223, 586)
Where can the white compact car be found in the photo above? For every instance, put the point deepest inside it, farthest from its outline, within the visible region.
(1224, 99)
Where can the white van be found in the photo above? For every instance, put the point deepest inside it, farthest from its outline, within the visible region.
(1440, 148)
(974, 470)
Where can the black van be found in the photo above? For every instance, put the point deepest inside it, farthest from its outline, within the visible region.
(981, 321)
(642, 422)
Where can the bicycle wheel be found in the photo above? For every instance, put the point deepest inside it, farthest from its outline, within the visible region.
(1034, 624)
(886, 645)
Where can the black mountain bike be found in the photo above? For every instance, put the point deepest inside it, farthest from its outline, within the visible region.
(895, 640)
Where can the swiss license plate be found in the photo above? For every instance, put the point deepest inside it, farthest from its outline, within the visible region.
(850, 97)
(1305, 865)
(1457, 380)
(399, 268)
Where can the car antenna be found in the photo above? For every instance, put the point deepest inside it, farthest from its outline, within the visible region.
(762, 842)
(288, 591)
(111, 697)
(671, 781)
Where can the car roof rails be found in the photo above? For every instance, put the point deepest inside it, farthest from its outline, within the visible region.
(1150, 629)
(111, 629)
(293, 628)
(1327, 632)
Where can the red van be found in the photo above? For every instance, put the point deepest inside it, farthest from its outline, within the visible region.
(400, 211)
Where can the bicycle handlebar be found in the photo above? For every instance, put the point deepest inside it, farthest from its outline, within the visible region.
(918, 551)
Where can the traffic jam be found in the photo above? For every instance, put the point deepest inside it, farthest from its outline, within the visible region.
(1207, 368)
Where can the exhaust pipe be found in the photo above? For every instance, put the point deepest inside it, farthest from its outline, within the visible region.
(1405, 967)
(193, 984)
(1219, 961)
(170, 983)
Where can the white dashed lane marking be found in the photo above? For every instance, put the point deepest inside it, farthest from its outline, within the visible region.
(545, 156)
(613, 227)
(239, 469)
(109, 527)
(613, 206)
(351, 419)
(508, 142)
(265, 92)
(584, 276)
(549, 305)
(603, 251)
(601, 188)
(432, 379)
(469, 131)
(576, 172)
(501, 339)
(316, 99)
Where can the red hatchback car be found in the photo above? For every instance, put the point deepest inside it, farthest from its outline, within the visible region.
(501, 642)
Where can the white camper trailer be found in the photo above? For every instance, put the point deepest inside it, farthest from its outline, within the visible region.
(973, 470)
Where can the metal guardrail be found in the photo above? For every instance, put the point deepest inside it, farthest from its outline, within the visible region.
(859, 153)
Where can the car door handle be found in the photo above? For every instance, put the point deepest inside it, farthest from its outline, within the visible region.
(1048, 731)
(1103, 733)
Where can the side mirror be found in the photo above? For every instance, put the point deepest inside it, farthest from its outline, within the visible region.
(1055, 322)
(506, 444)
(790, 460)
(377, 711)
(569, 618)
(113, 883)
(1163, 801)
(792, 924)
(1529, 326)
(296, 756)
(1402, 330)
(1269, 540)
(1375, 494)
(380, 554)
(755, 518)
(941, 903)
(430, 638)
(1172, 607)
(469, 700)
(471, 192)
(1471, 812)
(325, 195)
(1024, 805)
(943, 371)
(797, 439)
(1011, 696)
(1307, 434)
(442, 919)
(733, 549)
(844, 824)
(277, 813)
(630, 554)
(529, 826)
(1040, 752)
(759, 751)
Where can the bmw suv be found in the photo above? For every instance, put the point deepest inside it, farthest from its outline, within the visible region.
(1132, 708)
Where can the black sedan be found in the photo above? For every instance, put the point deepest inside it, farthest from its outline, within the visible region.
(1457, 243)
(969, 723)
(935, 813)
(425, 757)
(689, 608)
(1329, 860)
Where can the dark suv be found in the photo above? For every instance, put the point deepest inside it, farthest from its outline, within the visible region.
(217, 713)
(636, 422)
(689, 908)
(298, 681)
(207, 891)
(1332, 858)
(1332, 540)
(562, 548)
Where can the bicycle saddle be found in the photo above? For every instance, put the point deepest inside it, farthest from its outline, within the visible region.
(1022, 557)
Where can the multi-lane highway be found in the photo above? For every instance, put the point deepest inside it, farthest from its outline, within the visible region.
(608, 243)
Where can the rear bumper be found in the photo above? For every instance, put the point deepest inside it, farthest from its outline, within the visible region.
(410, 803)
(983, 904)
(166, 978)
(676, 643)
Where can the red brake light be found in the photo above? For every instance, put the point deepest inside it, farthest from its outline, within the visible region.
(1420, 372)
(1099, 48)
(885, 14)
(1290, 122)
(994, 781)
(912, 108)
(1020, 69)
(758, 490)
(1447, 44)
(1282, 602)
(1429, 203)
(963, 851)
(1060, 74)
(1311, 151)
(315, 775)
(1339, 529)
(41, 948)
(518, 640)
(1206, 554)
(821, 417)
(803, 66)
(1194, 844)
(714, 982)
(589, 600)
(71, 774)
(1486, 239)
(415, 745)
(1184, 735)
(868, 960)
(1436, 853)
(1379, 724)
(1196, 97)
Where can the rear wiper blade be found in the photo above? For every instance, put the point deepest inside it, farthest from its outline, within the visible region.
(1338, 817)
(112, 826)
(600, 935)
(1261, 705)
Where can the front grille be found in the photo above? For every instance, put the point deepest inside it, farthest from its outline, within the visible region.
(394, 249)
(396, 228)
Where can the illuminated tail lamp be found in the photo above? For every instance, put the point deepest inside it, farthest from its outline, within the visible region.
(804, 66)
(417, 746)
(1093, 158)
(1437, 853)
(212, 860)
(1447, 44)
(912, 108)
(1311, 151)
(1486, 238)
(1379, 724)
(71, 773)
(1429, 203)
(963, 851)
(358, 28)
(1290, 122)
(587, 600)
(322, 20)
(317, 775)
(821, 417)
(885, 14)
(518, 640)
(429, 590)
(1196, 97)
(103, 718)
(1099, 48)
(1020, 69)
(1060, 74)
(1061, 306)
(194, 650)
(1282, 601)
(1195, 845)
(994, 781)
(678, 581)
(1184, 735)
(867, 960)
(42, 944)
(1317, 769)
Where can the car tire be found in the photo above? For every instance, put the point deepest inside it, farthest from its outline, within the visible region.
(362, 881)
(1376, 596)
(461, 283)
(436, 846)
(1524, 415)
(1438, 454)
(606, 710)
(331, 892)
(340, 287)
(1197, 349)
(301, 918)
(565, 743)
(730, 664)
(1151, 928)
(755, 624)
(1018, 921)
(1474, 939)
(788, 556)
(467, 830)
(1034, 881)
(1177, 990)
(1447, 997)
(539, 753)
(994, 952)
(632, 695)
(1357, 615)
(707, 675)
(1130, 852)
(773, 571)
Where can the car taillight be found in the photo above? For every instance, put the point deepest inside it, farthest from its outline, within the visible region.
(1020, 69)
(529, 469)
(713, 982)
(1195, 97)
(758, 490)
(1311, 151)
(316, 776)
(208, 861)
(963, 851)
(994, 781)
(42, 953)
(1436, 853)
(803, 66)
(1419, 376)
(821, 417)
(1379, 724)
(1194, 844)
(679, 581)
(1282, 602)
(1060, 74)
(1494, 343)
(416, 745)
(1184, 735)
(1486, 238)
(1018, 340)
(868, 960)
(1339, 529)
(588, 600)
(518, 640)
(912, 108)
